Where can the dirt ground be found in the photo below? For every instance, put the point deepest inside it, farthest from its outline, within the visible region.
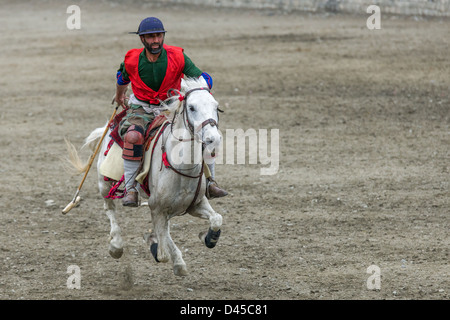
(363, 179)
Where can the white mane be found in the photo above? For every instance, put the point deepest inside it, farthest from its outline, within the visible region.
(189, 83)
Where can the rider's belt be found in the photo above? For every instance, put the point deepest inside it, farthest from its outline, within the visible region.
(139, 103)
(148, 108)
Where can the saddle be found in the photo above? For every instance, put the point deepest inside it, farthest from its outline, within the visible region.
(112, 167)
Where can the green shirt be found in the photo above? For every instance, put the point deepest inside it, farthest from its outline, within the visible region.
(153, 73)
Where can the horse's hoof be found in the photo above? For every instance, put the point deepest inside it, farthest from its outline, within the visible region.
(180, 270)
(114, 252)
(209, 238)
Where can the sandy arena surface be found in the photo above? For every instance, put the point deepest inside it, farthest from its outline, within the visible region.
(363, 179)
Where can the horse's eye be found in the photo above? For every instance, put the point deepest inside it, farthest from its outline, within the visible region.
(191, 108)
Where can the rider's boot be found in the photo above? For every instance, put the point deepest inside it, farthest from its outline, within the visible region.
(131, 198)
(212, 188)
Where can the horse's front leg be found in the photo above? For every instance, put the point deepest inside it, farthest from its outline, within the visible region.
(165, 248)
(116, 241)
(204, 210)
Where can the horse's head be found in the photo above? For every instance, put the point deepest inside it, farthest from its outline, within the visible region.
(200, 112)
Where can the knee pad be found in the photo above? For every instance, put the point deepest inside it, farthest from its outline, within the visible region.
(133, 143)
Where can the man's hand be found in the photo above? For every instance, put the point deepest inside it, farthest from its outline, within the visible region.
(120, 95)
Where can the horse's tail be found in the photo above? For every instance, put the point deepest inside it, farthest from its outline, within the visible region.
(73, 158)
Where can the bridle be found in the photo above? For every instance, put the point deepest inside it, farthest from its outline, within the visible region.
(194, 131)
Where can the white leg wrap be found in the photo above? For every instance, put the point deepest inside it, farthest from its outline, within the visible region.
(130, 172)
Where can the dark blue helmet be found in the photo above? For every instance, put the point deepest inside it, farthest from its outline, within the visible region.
(150, 25)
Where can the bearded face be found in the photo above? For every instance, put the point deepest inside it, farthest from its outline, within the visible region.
(153, 42)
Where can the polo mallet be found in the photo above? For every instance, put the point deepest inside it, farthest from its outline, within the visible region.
(76, 199)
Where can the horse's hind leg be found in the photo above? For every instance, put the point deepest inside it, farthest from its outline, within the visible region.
(116, 241)
(165, 248)
(204, 211)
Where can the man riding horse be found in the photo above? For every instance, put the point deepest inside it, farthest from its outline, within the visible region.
(152, 71)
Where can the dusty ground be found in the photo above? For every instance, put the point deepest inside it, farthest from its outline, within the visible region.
(363, 180)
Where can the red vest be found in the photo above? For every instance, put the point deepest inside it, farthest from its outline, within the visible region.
(172, 79)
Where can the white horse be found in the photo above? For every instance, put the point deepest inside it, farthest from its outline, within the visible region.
(178, 188)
